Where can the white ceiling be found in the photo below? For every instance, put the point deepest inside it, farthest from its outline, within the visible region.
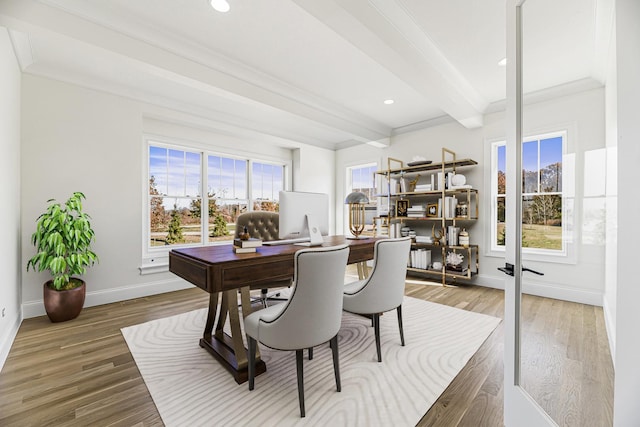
(309, 71)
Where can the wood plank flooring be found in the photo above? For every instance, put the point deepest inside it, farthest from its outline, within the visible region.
(80, 373)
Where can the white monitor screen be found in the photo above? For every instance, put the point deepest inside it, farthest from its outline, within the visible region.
(295, 206)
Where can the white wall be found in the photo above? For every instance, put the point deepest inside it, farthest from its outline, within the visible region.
(627, 355)
(10, 263)
(583, 115)
(77, 139)
(314, 170)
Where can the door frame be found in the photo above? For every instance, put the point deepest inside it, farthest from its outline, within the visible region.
(520, 409)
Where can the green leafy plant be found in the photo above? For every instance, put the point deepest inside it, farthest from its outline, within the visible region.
(63, 239)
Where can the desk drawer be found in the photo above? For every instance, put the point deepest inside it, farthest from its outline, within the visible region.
(190, 270)
(235, 276)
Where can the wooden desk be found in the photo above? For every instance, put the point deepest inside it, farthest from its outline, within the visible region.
(218, 270)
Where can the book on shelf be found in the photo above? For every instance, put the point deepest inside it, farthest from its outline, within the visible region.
(249, 243)
(240, 250)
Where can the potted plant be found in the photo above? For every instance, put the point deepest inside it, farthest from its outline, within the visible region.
(63, 239)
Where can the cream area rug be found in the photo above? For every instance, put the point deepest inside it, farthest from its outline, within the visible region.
(190, 388)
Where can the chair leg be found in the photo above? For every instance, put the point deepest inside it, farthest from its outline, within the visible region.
(252, 362)
(336, 363)
(310, 353)
(300, 381)
(376, 327)
(263, 297)
(399, 310)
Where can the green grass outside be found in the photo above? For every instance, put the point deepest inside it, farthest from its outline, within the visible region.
(539, 236)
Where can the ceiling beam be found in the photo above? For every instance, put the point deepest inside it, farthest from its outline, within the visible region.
(387, 33)
(185, 65)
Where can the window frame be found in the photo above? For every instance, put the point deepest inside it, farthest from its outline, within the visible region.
(373, 205)
(567, 252)
(155, 259)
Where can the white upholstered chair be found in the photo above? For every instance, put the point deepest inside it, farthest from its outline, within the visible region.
(312, 315)
(383, 290)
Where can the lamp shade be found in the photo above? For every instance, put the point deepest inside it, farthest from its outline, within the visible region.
(356, 197)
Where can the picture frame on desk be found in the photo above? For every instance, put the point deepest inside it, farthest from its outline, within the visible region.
(402, 208)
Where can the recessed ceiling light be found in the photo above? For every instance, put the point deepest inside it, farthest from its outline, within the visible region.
(389, 101)
(220, 5)
(502, 62)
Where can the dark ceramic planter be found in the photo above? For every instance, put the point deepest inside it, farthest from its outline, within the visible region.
(63, 305)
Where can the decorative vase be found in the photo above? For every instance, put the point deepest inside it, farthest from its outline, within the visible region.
(64, 305)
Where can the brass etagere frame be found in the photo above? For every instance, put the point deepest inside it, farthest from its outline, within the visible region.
(449, 163)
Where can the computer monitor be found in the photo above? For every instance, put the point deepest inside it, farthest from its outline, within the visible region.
(304, 215)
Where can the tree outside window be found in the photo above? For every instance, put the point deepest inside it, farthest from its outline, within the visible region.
(541, 192)
(179, 187)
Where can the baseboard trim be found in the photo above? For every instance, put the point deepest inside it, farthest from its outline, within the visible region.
(7, 341)
(547, 290)
(36, 308)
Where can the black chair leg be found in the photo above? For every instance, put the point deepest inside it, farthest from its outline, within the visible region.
(300, 381)
(376, 327)
(399, 310)
(252, 362)
(336, 362)
(310, 353)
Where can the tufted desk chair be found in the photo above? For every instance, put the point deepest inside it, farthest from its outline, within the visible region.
(262, 225)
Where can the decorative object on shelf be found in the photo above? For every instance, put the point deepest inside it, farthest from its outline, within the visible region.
(418, 161)
(462, 209)
(356, 202)
(437, 265)
(436, 235)
(454, 261)
(432, 210)
(402, 207)
(463, 238)
(458, 179)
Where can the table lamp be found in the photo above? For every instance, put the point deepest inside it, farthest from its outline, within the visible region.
(356, 202)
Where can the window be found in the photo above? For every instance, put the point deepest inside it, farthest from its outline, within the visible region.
(177, 181)
(361, 178)
(542, 194)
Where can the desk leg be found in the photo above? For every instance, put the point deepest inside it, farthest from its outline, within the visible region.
(363, 271)
(229, 350)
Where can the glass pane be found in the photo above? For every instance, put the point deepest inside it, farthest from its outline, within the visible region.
(192, 172)
(158, 169)
(551, 164)
(215, 174)
(257, 177)
(240, 185)
(222, 218)
(542, 222)
(530, 167)
(500, 227)
(266, 205)
(176, 170)
(502, 169)
(362, 179)
(172, 221)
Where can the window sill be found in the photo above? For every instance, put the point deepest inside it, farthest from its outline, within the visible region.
(559, 258)
(156, 266)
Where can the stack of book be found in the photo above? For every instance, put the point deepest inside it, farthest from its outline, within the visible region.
(245, 246)
(416, 211)
(423, 187)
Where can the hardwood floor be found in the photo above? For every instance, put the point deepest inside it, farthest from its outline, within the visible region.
(80, 373)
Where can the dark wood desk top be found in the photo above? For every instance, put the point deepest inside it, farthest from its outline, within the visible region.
(218, 268)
